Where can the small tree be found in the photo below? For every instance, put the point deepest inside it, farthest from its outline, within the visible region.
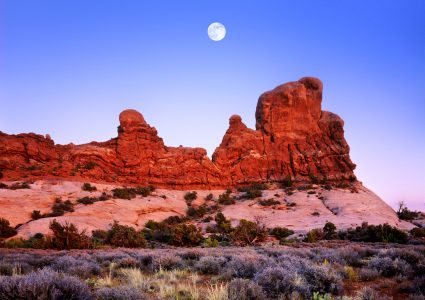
(190, 196)
(406, 214)
(223, 225)
(125, 236)
(88, 187)
(35, 215)
(67, 236)
(314, 235)
(281, 232)
(286, 182)
(225, 198)
(329, 231)
(6, 230)
(186, 235)
(249, 233)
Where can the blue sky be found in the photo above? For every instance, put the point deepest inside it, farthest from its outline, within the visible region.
(68, 68)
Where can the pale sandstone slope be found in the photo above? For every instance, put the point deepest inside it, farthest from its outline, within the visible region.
(341, 207)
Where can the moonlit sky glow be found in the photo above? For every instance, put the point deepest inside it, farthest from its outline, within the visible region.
(68, 68)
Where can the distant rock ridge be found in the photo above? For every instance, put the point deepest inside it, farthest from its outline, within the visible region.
(293, 139)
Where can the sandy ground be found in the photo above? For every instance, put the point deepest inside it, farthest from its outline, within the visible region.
(341, 207)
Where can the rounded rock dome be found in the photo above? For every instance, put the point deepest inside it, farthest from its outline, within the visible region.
(131, 117)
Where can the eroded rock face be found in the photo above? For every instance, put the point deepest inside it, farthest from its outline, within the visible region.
(293, 138)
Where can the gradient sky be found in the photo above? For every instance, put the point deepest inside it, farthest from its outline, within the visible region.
(68, 68)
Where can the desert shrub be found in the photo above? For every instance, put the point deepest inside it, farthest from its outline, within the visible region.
(313, 178)
(368, 274)
(367, 293)
(225, 198)
(419, 285)
(350, 256)
(99, 237)
(119, 293)
(16, 186)
(211, 265)
(327, 187)
(406, 214)
(245, 266)
(253, 191)
(244, 289)
(124, 193)
(211, 242)
(417, 232)
(248, 233)
(190, 196)
(76, 267)
(409, 255)
(185, 235)
(125, 236)
(162, 231)
(43, 284)
(314, 235)
(197, 212)
(281, 232)
(87, 200)
(88, 187)
(130, 193)
(224, 226)
(190, 254)
(342, 185)
(6, 230)
(14, 243)
(36, 214)
(276, 281)
(37, 241)
(173, 220)
(91, 200)
(67, 236)
(90, 165)
(286, 182)
(350, 273)
(316, 214)
(209, 197)
(167, 261)
(297, 275)
(158, 231)
(268, 202)
(59, 208)
(329, 231)
(327, 255)
(145, 191)
(14, 268)
(375, 233)
(389, 267)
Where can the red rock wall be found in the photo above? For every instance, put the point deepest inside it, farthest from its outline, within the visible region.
(293, 137)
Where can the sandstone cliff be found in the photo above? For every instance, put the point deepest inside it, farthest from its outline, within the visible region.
(293, 139)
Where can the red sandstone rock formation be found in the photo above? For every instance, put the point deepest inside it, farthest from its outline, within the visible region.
(293, 138)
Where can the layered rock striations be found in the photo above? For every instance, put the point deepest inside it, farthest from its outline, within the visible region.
(293, 139)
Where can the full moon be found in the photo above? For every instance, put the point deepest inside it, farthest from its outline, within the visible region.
(216, 31)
